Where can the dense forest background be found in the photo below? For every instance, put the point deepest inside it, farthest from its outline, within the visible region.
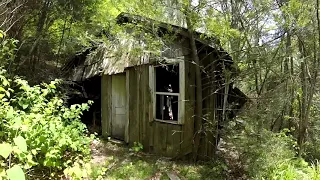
(274, 44)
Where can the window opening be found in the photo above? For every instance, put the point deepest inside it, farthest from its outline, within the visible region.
(167, 92)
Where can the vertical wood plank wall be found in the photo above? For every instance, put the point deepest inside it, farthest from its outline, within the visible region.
(190, 89)
(158, 137)
(207, 142)
(162, 138)
(212, 94)
(106, 111)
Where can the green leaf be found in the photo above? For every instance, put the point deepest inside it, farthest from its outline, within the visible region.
(5, 150)
(21, 143)
(25, 106)
(7, 93)
(52, 86)
(10, 113)
(16, 173)
(5, 82)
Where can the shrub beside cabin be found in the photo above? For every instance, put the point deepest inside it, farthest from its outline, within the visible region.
(150, 98)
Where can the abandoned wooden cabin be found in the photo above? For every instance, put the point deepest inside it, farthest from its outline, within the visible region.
(151, 99)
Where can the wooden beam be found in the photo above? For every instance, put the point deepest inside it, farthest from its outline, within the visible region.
(126, 135)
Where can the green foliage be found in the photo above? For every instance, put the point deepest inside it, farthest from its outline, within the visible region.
(15, 173)
(263, 152)
(38, 130)
(269, 155)
(209, 170)
(7, 49)
(81, 170)
(133, 170)
(137, 147)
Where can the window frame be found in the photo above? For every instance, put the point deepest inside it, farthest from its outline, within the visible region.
(181, 94)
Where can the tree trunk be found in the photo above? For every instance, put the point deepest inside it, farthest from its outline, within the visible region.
(303, 118)
(307, 92)
(198, 111)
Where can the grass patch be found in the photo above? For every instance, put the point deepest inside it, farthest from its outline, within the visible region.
(133, 170)
(117, 162)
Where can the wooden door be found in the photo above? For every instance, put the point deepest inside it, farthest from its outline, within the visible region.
(119, 118)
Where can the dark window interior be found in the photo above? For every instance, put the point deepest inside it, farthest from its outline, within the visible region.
(167, 81)
(167, 107)
(167, 78)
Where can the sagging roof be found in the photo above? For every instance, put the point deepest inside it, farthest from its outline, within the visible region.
(126, 52)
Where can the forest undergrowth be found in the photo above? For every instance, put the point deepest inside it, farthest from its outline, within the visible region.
(274, 45)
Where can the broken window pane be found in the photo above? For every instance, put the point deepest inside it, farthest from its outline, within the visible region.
(166, 107)
(167, 78)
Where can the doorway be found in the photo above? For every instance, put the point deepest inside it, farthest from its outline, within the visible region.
(119, 117)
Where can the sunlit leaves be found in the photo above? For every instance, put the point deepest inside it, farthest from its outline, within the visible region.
(34, 119)
(5, 150)
(296, 13)
(7, 49)
(21, 143)
(15, 173)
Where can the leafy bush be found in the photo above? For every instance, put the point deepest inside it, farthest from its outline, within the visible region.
(262, 153)
(312, 146)
(137, 147)
(7, 49)
(37, 131)
(269, 155)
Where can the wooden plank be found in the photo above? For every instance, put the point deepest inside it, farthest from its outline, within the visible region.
(109, 103)
(160, 138)
(127, 137)
(143, 108)
(133, 120)
(212, 107)
(156, 141)
(146, 121)
(173, 140)
(182, 98)
(104, 106)
(139, 108)
(152, 106)
(172, 176)
(187, 128)
(203, 149)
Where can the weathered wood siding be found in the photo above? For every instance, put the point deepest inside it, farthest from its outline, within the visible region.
(119, 97)
(187, 129)
(212, 102)
(106, 109)
(158, 137)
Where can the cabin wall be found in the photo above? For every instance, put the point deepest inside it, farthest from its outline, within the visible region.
(156, 137)
(212, 92)
(187, 129)
(173, 140)
(106, 109)
(159, 137)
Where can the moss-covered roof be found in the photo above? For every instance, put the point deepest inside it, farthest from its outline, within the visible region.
(124, 52)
